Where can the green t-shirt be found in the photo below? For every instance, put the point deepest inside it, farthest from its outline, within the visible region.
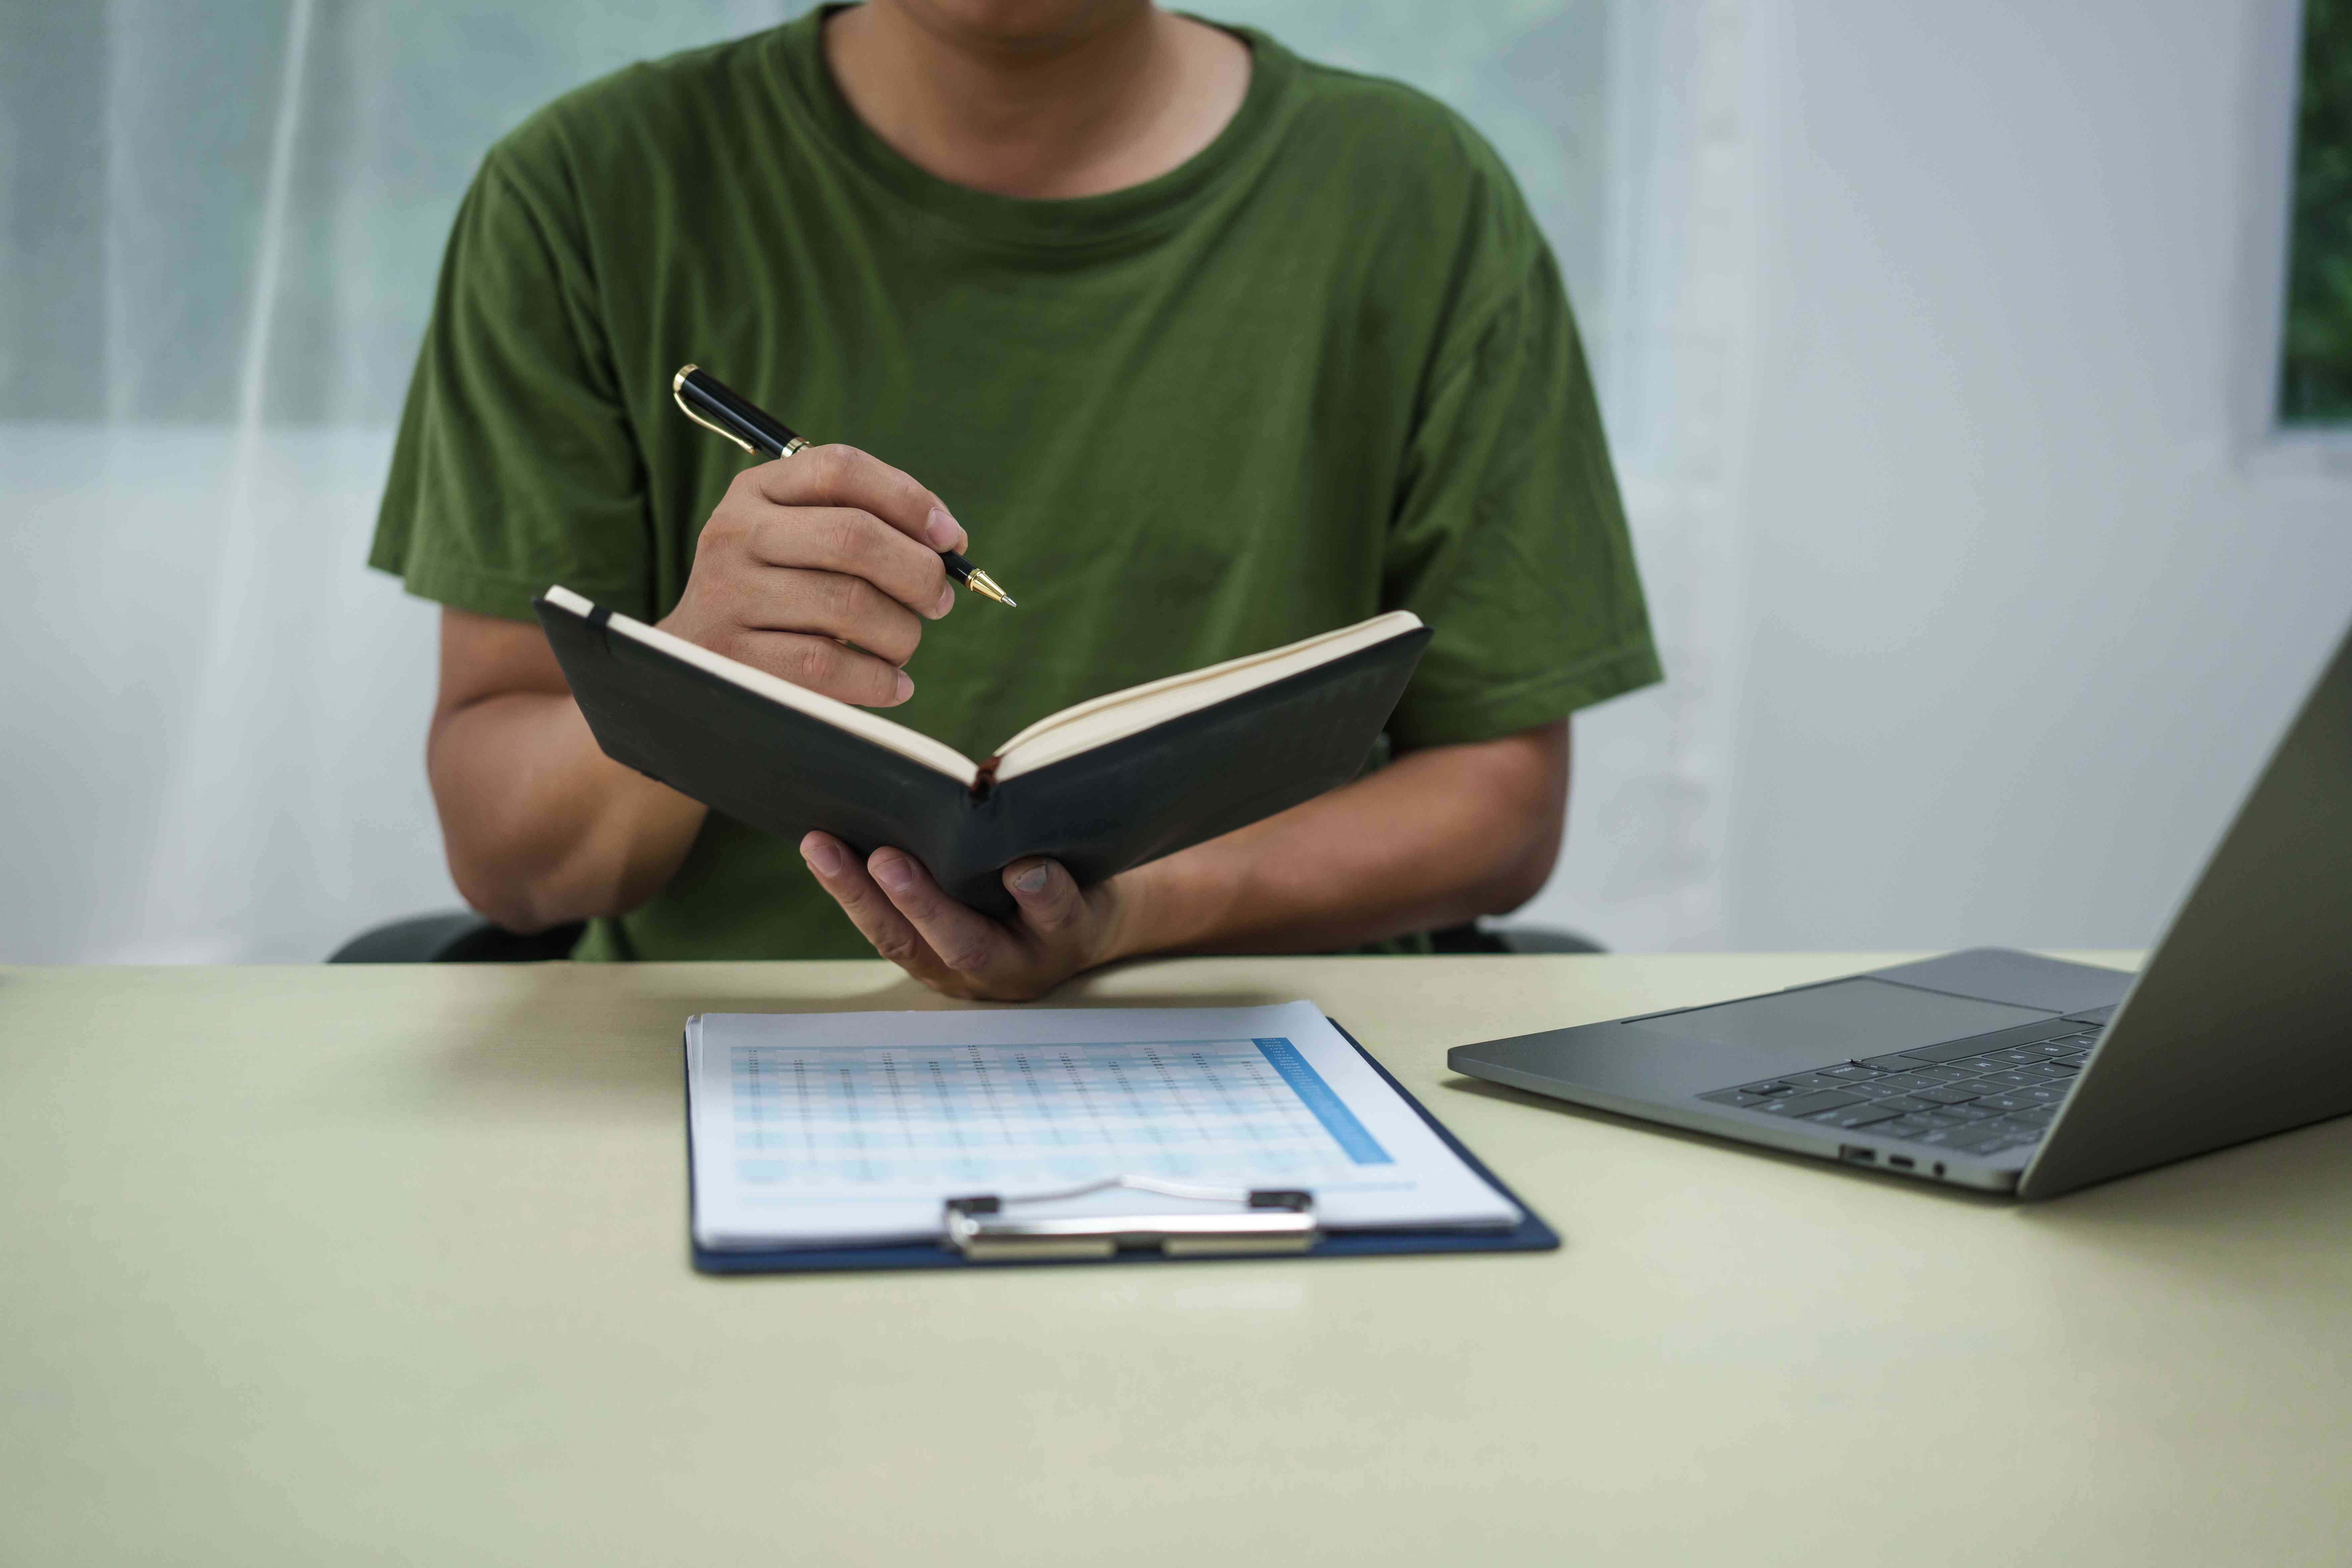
(1324, 368)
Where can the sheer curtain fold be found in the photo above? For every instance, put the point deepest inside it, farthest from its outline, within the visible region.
(222, 224)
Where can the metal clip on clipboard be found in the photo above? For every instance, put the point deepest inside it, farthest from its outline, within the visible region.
(1256, 1221)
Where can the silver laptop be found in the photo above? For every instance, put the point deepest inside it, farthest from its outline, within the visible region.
(2019, 1074)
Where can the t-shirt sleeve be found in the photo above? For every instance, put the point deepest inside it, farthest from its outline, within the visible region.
(515, 466)
(1509, 539)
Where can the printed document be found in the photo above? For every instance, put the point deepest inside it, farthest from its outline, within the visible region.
(833, 1129)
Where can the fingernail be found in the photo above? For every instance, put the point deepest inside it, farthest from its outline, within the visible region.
(904, 689)
(1032, 880)
(947, 602)
(824, 856)
(893, 871)
(942, 530)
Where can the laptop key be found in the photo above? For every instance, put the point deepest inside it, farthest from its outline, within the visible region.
(1792, 1083)
(2021, 1078)
(1928, 1077)
(1733, 1096)
(1951, 1051)
(1851, 1074)
(1806, 1104)
(1904, 1103)
(2019, 1098)
(1908, 1128)
(1851, 1116)
(1954, 1096)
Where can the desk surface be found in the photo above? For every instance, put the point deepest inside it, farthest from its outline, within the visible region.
(389, 1265)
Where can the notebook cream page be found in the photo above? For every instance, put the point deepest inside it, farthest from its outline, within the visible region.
(1139, 707)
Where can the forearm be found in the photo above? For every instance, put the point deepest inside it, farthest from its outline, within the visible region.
(539, 826)
(1436, 838)
(821, 569)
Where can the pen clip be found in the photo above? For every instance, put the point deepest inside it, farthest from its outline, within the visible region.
(677, 392)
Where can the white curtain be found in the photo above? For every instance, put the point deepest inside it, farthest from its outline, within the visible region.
(222, 222)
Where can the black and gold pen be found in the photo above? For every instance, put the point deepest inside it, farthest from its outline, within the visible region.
(713, 405)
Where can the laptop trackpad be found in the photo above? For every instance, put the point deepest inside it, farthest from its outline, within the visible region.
(1792, 1030)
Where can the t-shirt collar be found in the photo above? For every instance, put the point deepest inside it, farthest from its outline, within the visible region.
(1135, 213)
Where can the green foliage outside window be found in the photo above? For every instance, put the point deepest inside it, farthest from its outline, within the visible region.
(2315, 372)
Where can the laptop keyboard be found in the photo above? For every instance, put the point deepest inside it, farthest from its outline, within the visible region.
(1962, 1095)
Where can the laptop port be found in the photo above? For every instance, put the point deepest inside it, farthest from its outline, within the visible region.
(1900, 1162)
(1857, 1153)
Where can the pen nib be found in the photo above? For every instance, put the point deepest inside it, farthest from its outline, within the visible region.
(982, 583)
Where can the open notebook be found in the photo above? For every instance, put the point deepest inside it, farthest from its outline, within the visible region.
(1109, 783)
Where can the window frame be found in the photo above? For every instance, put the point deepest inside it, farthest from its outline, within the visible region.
(2267, 446)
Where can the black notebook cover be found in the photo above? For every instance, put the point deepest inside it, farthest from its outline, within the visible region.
(1099, 811)
(1530, 1235)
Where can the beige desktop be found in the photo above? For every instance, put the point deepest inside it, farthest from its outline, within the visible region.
(389, 1265)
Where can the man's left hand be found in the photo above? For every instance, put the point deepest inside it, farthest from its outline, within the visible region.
(1057, 930)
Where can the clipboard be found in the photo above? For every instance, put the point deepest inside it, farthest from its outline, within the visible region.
(1131, 1242)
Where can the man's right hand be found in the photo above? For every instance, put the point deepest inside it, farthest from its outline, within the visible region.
(807, 554)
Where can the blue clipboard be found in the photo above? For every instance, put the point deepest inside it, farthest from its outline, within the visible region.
(1530, 1235)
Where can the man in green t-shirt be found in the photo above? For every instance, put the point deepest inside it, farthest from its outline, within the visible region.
(1209, 347)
